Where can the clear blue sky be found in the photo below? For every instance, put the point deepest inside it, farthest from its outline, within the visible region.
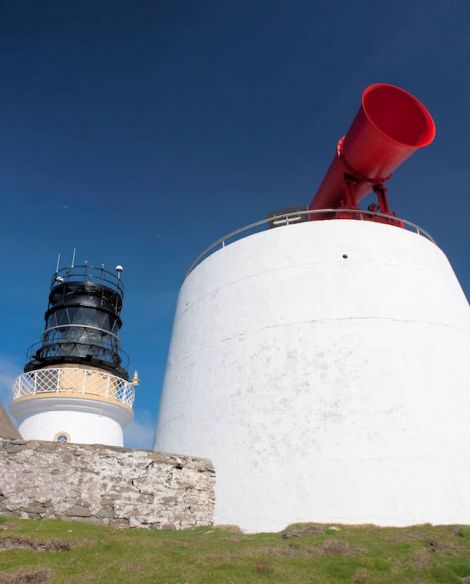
(141, 131)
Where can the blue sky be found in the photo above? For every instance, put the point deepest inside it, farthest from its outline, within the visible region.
(141, 131)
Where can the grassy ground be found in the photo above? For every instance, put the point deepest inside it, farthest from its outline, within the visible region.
(72, 553)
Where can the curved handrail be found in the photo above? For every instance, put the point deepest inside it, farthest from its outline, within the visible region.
(80, 326)
(86, 273)
(390, 219)
(56, 348)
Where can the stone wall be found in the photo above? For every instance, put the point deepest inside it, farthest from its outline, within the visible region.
(103, 484)
(7, 427)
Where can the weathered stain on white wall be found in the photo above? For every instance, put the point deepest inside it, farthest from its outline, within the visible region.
(324, 388)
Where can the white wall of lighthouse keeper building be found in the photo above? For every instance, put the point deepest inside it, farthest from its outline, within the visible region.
(324, 388)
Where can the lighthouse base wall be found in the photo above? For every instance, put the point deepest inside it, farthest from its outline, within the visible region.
(79, 420)
(114, 486)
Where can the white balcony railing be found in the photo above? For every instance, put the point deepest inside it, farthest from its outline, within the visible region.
(74, 381)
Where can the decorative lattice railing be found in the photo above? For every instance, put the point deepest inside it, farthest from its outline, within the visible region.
(72, 380)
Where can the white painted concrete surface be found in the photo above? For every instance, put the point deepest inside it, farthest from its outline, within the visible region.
(323, 388)
(84, 421)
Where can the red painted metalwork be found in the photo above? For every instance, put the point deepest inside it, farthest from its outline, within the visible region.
(389, 127)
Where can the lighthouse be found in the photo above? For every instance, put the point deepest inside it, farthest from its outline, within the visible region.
(320, 358)
(75, 386)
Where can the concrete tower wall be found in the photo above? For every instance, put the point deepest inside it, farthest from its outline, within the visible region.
(323, 387)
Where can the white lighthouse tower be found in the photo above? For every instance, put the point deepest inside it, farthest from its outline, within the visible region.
(323, 365)
(75, 387)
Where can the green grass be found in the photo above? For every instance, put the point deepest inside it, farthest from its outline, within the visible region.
(358, 555)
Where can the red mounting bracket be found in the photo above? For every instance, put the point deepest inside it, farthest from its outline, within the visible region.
(351, 179)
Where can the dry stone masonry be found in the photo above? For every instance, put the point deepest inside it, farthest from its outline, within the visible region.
(103, 484)
(7, 428)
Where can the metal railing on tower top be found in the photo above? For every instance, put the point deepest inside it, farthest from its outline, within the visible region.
(87, 273)
(300, 216)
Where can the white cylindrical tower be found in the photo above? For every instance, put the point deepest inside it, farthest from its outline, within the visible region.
(324, 368)
(75, 387)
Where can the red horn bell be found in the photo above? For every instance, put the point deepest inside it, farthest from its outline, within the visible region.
(389, 126)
